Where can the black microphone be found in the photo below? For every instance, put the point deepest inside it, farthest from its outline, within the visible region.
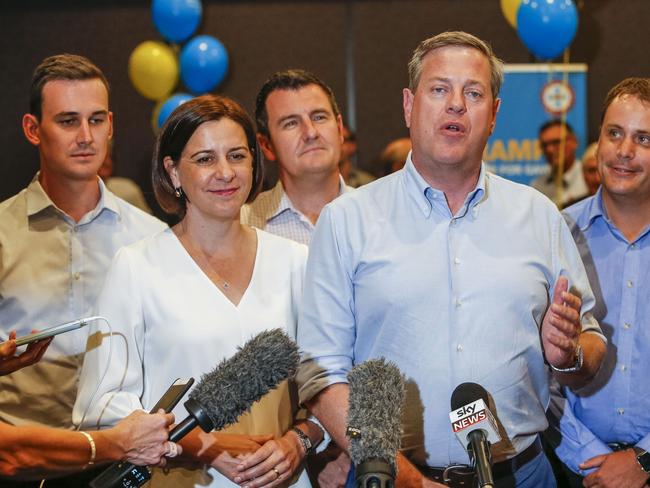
(222, 396)
(475, 428)
(374, 422)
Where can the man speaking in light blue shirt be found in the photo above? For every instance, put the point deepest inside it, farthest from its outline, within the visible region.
(605, 428)
(455, 275)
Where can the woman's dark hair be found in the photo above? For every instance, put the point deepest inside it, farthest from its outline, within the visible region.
(178, 129)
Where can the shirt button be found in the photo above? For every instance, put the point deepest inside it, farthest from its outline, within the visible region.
(620, 411)
(623, 367)
(459, 348)
(77, 275)
(633, 246)
(456, 261)
(630, 284)
(627, 325)
(458, 302)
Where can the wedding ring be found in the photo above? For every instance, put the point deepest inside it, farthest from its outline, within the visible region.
(172, 449)
(277, 472)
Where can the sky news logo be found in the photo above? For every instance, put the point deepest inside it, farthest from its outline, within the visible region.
(467, 415)
(468, 421)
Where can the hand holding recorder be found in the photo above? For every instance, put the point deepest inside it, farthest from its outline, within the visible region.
(37, 343)
(10, 361)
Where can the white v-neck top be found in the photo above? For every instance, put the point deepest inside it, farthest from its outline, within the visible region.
(170, 320)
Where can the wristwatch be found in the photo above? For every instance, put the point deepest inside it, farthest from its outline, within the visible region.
(576, 366)
(304, 440)
(643, 458)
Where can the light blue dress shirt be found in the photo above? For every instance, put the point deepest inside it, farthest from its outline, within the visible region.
(448, 298)
(615, 407)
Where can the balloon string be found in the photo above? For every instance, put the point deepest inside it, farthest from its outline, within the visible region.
(563, 133)
(559, 174)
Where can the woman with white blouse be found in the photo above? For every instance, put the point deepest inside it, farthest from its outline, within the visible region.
(182, 300)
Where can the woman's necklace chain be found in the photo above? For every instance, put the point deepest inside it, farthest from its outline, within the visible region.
(225, 284)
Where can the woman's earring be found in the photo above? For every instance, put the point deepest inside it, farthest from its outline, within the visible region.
(178, 192)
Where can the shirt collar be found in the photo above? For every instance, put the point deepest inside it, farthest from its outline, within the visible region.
(38, 200)
(595, 209)
(424, 195)
(107, 199)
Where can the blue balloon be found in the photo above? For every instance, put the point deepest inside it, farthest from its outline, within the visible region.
(170, 105)
(204, 64)
(547, 27)
(176, 20)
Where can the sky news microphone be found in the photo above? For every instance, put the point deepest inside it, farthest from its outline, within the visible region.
(475, 428)
(375, 422)
(222, 396)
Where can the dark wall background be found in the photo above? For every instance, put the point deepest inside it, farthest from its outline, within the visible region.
(265, 36)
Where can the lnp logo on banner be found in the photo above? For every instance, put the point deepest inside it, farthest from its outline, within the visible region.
(557, 97)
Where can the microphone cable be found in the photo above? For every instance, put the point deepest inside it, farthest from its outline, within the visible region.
(101, 379)
(110, 353)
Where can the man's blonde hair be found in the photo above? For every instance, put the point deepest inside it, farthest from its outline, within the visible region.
(455, 38)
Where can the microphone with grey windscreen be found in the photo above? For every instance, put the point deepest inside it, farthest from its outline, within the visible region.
(375, 422)
(223, 395)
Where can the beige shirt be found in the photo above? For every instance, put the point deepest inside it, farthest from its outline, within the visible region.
(274, 212)
(51, 270)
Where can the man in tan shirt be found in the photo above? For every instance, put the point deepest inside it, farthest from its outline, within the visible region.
(58, 236)
(300, 128)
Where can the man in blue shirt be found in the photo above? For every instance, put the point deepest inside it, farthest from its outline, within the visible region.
(605, 428)
(452, 273)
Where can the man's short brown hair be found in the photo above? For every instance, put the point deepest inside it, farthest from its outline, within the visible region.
(60, 67)
(634, 87)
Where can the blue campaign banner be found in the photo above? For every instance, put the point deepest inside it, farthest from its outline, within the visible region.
(531, 95)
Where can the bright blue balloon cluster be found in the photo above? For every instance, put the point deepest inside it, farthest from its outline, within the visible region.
(170, 105)
(176, 20)
(204, 64)
(203, 60)
(547, 27)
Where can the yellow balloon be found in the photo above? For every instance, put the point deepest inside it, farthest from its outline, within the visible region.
(153, 70)
(509, 9)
